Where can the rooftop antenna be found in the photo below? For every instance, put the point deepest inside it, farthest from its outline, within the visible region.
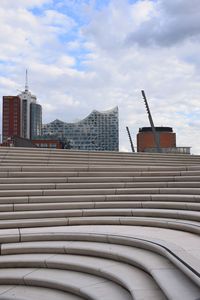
(26, 82)
(130, 139)
(156, 136)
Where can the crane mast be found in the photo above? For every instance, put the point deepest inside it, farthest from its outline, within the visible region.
(130, 139)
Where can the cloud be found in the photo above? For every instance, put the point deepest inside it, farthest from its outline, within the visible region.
(169, 23)
(12, 4)
(7, 84)
(58, 22)
(83, 57)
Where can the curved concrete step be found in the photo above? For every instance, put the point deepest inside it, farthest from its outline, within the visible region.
(160, 269)
(81, 284)
(138, 282)
(182, 225)
(145, 212)
(16, 292)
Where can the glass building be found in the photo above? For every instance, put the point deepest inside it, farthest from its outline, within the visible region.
(98, 131)
(26, 99)
(35, 120)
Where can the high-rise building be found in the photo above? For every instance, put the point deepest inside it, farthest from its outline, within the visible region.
(11, 117)
(35, 120)
(22, 116)
(99, 131)
(26, 99)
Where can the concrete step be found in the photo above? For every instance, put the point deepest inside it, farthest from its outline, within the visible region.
(65, 179)
(131, 278)
(55, 205)
(13, 292)
(101, 198)
(84, 255)
(105, 204)
(97, 185)
(108, 191)
(90, 286)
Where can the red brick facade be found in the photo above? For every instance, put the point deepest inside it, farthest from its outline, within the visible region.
(47, 143)
(11, 117)
(145, 139)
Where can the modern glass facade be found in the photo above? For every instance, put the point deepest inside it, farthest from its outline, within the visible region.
(25, 118)
(35, 120)
(26, 99)
(99, 131)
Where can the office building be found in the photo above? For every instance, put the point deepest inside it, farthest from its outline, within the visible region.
(98, 131)
(22, 116)
(26, 99)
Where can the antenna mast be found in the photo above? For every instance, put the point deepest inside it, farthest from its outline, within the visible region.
(26, 81)
(156, 136)
(129, 135)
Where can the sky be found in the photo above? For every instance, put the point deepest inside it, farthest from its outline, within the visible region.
(85, 55)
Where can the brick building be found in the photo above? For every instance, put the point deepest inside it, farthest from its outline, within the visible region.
(11, 116)
(146, 141)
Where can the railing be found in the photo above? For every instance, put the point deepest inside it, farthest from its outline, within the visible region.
(178, 150)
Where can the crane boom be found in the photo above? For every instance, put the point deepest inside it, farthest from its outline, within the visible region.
(156, 136)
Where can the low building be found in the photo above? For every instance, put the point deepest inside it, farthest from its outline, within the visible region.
(55, 144)
(167, 140)
(47, 142)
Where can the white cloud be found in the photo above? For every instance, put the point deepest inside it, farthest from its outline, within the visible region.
(100, 65)
(12, 4)
(66, 61)
(171, 23)
(48, 107)
(58, 22)
(141, 11)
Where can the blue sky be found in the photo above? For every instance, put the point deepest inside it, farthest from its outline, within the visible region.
(86, 55)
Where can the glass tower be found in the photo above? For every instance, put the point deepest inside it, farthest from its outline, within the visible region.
(35, 120)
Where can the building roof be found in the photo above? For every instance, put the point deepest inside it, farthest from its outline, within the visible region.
(94, 112)
(158, 128)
